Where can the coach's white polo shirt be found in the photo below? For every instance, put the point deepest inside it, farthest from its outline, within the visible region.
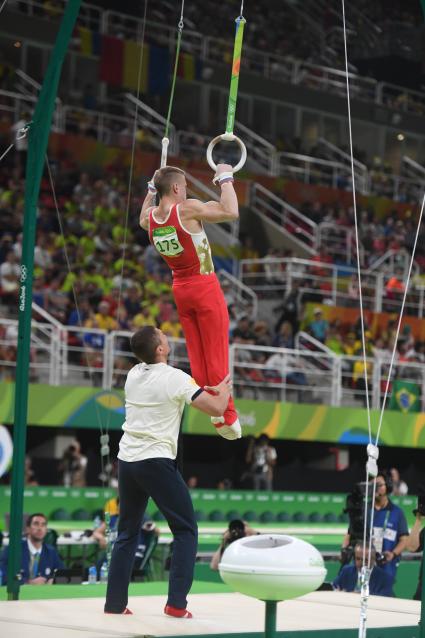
(155, 395)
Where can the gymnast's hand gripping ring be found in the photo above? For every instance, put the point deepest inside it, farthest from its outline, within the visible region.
(226, 137)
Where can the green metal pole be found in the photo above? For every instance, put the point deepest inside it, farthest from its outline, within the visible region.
(234, 82)
(423, 6)
(38, 139)
(271, 610)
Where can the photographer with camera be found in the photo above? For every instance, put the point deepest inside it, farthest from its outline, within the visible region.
(237, 529)
(349, 577)
(73, 466)
(415, 541)
(389, 525)
(261, 458)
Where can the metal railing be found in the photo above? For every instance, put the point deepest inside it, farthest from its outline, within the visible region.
(311, 374)
(260, 151)
(150, 120)
(313, 170)
(89, 14)
(239, 295)
(400, 98)
(16, 103)
(340, 242)
(334, 153)
(285, 218)
(336, 285)
(269, 65)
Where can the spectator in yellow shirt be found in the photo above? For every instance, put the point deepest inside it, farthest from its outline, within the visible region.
(172, 327)
(143, 318)
(104, 320)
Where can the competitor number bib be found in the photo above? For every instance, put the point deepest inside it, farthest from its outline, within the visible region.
(166, 241)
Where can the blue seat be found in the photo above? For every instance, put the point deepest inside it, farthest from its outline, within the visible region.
(299, 517)
(250, 516)
(216, 516)
(315, 517)
(232, 515)
(283, 517)
(267, 517)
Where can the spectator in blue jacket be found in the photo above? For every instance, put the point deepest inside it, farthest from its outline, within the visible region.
(39, 561)
(349, 578)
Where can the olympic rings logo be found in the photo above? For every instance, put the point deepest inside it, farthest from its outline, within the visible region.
(24, 273)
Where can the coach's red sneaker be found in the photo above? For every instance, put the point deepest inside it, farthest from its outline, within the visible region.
(176, 612)
(126, 612)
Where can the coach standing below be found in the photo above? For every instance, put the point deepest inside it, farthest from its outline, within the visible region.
(155, 395)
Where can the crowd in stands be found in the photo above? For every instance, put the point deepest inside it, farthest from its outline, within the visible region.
(293, 34)
(116, 295)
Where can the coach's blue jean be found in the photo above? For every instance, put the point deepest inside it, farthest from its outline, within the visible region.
(161, 480)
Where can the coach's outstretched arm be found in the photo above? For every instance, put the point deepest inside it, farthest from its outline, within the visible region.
(214, 399)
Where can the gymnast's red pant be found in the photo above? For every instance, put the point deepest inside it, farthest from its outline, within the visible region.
(205, 321)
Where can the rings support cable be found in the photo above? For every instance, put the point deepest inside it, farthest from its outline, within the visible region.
(166, 140)
(228, 135)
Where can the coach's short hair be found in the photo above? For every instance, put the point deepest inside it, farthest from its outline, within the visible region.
(144, 343)
(165, 177)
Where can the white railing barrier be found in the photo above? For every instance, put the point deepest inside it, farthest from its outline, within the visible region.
(413, 169)
(244, 296)
(15, 103)
(313, 170)
(113, 130)
(290, 221)
(259, 149)
(310, 375)
(394, 260)
(56, 337)
(361, 173)
(269, 65)
(153, 121)
(336, 285)
(89, 15)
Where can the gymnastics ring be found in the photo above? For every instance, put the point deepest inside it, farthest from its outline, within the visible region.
(226, 137)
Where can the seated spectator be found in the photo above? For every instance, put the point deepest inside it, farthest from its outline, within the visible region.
(143, 318)
(334, 339)
(78, 317)
(39, 561)
(318, 328)
(262, 333)
(243, 330)
(284, 338)
(132, 301)
(103, 317)
(172, 327)
(349, 578)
